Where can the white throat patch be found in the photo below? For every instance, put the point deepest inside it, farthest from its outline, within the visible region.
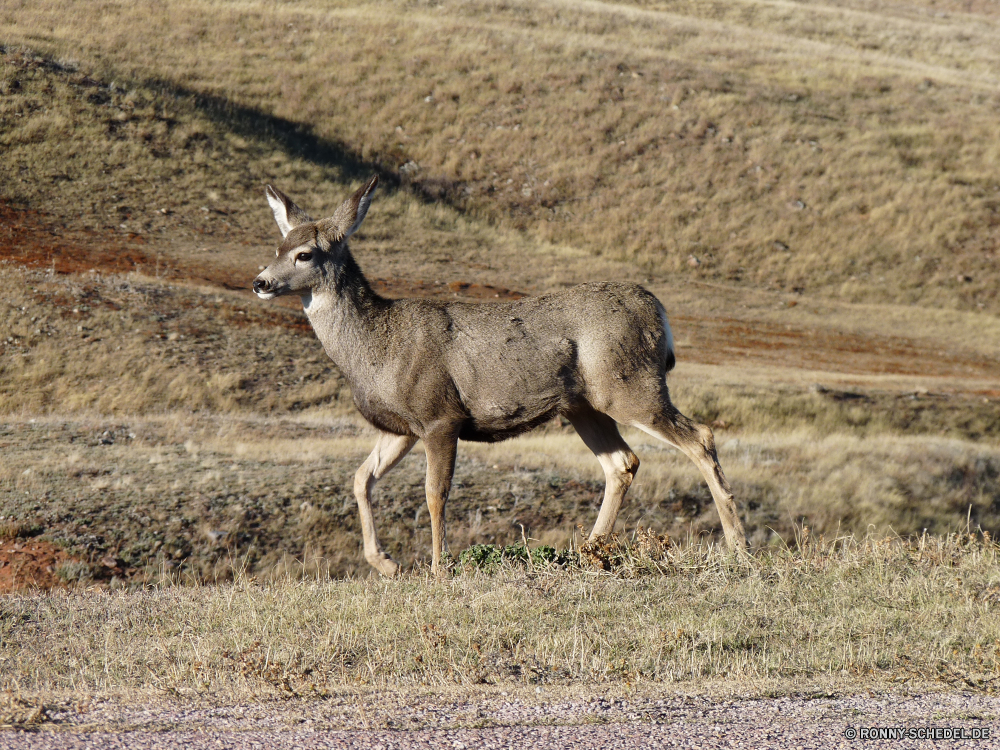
(312, 303)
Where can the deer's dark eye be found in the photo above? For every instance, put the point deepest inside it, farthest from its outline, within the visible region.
(303, 257)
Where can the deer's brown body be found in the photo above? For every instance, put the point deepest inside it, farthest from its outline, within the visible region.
(442, 371)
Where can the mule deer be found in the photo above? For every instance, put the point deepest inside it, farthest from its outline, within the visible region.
(596, 354)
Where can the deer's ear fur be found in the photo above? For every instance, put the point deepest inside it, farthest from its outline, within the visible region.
(286, 213)
(348, 217)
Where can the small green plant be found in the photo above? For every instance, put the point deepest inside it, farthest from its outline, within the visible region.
(490, 557)
(544, 555)
(482, 556)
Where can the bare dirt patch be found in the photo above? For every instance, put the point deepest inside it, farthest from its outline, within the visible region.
(34, 239)
(725, 341)
(30, 564)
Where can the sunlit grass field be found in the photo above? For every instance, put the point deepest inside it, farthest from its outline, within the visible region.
(878, 613)
(810, 188)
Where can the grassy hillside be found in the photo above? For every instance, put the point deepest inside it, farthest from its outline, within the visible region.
(848, 149)
(812, 188)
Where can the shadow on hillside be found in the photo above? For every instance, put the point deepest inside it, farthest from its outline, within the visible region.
(294, 138)
(297, 139)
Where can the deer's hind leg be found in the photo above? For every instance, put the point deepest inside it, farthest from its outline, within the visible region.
(441, 447)
(389, 449)
(620, 464)
(697, 442)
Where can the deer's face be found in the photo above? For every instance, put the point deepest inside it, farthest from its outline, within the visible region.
(312, 252)
(300, 264)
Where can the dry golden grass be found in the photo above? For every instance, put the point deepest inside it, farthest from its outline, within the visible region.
(127, 344)
(877, 612)
(834, 484)
(845, 149)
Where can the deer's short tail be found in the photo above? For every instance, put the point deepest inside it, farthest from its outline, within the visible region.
(668, 342)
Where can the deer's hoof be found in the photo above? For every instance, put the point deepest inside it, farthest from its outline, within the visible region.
(384, 565)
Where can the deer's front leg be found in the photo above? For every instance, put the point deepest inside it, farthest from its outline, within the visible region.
(389, 449)
(441, 449)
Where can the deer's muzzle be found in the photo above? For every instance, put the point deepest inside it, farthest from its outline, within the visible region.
(264, 288)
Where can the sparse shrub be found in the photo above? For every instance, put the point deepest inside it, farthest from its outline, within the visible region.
(482, 556)
(74, 571)
(19, 530)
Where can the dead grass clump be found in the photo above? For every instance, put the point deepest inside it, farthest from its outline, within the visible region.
(644, 552)
(21, 714)
(18, 530)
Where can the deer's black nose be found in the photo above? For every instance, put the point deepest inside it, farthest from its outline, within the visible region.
(260, 285)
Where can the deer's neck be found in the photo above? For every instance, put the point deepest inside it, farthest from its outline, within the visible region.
(349, 319)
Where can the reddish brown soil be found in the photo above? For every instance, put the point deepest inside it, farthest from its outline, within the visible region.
(719, 341)
(31, 239)
(34, 239)
(30, 564)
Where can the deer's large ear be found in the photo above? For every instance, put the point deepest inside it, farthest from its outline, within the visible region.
(346, 219)
(286, 213)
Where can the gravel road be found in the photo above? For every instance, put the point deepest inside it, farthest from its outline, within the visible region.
(369, 723)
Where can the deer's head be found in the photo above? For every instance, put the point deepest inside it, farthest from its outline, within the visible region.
(312, 251)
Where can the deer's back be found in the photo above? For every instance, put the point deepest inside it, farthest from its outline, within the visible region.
(514, 365)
